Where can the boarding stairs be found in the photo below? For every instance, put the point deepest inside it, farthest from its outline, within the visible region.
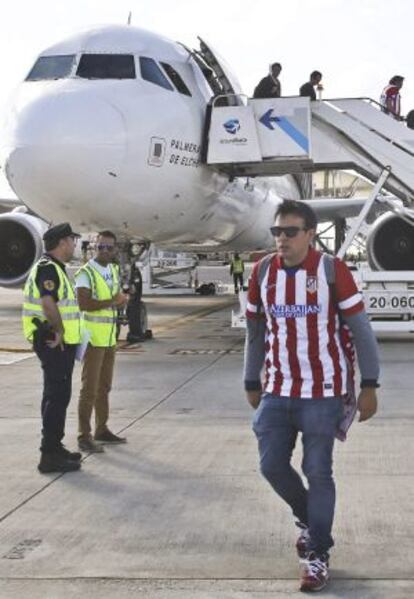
(265, 137)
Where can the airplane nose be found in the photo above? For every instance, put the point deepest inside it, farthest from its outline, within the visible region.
(64, 148)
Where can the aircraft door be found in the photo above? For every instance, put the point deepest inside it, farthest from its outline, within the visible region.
(225, 82)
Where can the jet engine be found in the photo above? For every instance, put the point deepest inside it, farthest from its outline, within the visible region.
(390, 243)
(20, 246)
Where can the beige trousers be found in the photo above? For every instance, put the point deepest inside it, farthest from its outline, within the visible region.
(97, 373)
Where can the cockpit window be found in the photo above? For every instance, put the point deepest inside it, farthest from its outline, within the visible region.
(150, 71)
(176, 79)
(106, 66)
(51, 67)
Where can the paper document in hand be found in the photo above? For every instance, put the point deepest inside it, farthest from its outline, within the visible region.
(81, 349)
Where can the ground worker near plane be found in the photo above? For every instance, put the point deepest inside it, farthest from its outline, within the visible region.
(295, 301)
(269, 86)
(51, 321)
(391, 98)
(99, 296)
(237, 270)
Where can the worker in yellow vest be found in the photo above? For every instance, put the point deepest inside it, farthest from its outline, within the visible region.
(99, 296)
(51, 322)
(237, 270)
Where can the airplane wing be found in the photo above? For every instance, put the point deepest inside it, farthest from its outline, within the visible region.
(328, 209)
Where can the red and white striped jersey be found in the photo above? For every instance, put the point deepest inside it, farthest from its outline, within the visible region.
(391, 94)
(303, 353)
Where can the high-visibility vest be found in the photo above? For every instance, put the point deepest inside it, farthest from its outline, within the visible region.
(238, 266)
(66, 304)
(101, 324)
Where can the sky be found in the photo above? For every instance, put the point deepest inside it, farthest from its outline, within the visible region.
(358, 45)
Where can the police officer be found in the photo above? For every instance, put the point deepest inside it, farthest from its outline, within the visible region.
(51, 321)
(99, 296)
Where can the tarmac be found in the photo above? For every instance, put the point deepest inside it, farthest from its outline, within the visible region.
(181, 511)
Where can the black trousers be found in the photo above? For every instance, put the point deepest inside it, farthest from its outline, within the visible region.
(238, 280)
(57, 368)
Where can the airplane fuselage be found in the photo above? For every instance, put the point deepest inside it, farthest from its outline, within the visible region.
(124, 153)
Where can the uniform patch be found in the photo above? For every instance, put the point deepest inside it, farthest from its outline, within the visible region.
(49, 285)
(311, 284)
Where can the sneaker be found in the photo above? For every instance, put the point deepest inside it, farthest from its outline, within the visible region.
(108, 437)
(73, 456)
(89, 446)
(56, 462)
(315, 574)
(302, 541)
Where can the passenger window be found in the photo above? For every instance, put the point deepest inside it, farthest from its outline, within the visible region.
(176, 79)
(150, 71)
(106, 66)
(51, 67)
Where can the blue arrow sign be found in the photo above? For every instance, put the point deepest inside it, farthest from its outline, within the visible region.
(268, 120)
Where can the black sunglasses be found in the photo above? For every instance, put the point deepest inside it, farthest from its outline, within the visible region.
(288, 231)
(105, 246)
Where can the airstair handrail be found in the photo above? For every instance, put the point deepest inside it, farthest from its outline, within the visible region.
(364, 124)
(370, 101)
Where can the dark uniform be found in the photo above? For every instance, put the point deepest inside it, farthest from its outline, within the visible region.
(307, 90)
(268, 87)
(57, 365)
(48, 278)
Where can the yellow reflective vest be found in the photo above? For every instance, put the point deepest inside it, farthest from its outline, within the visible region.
(67, 304)
(101, 324)
(237, 266)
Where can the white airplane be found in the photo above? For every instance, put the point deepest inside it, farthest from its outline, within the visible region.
(106, 132)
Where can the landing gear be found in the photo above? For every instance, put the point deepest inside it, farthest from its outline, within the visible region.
(135, 313)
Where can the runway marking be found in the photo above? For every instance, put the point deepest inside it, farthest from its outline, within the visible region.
(205, 352)
(16, 350)
(8, 357)
(193, 316)
(172, 324)
(128, 348)
(132, 348)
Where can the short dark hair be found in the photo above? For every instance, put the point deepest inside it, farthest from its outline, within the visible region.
(107, 234)
(396, 79)
(51, 244)
(277, 64)
(316, 74)
(298, 208)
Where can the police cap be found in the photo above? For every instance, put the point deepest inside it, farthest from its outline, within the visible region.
(59, 232)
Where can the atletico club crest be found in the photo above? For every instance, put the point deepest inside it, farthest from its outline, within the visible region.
(311, 284)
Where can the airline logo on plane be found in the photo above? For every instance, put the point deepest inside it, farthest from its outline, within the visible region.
(232, 126)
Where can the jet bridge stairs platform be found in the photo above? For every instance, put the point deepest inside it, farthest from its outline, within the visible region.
(265, 137)
(270, 137)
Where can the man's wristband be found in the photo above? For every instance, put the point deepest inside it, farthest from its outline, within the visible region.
(252, 385)
(372, 383)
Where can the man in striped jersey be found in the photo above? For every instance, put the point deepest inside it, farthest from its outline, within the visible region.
(391, 98)
(294, 315)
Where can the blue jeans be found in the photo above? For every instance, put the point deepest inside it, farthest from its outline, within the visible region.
(276, 424)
